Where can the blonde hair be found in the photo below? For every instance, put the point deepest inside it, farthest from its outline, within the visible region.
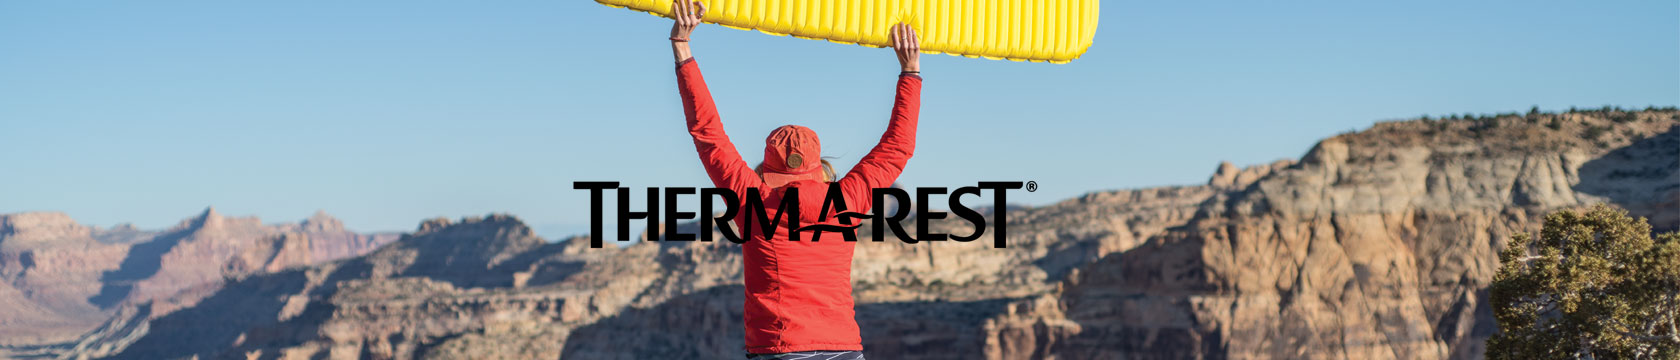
(827, 170)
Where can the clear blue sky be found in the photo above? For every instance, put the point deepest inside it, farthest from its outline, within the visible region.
(387, 112)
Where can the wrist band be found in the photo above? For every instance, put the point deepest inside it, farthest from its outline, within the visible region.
(912, 72)
(677, 39)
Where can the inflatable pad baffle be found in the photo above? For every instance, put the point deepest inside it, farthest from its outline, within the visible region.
(1056, 31)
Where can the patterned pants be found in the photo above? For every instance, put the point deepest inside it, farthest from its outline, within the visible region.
(810, 355)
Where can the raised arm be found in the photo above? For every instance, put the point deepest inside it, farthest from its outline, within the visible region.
(723, 164)
(881, 167)
(687, 15)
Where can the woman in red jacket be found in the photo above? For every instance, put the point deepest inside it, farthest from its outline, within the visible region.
(798, 293)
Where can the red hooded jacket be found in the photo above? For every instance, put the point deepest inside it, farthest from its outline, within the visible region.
(799, 294)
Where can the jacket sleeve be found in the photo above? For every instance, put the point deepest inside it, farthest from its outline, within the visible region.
(881, 167)
(723, 164)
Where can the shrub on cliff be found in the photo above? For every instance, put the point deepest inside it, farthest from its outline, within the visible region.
(1594, 285)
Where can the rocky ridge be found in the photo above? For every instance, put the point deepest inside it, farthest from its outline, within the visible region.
(1376, 244)
(60, 279)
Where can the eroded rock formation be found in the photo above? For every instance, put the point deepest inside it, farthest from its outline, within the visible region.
(1377, 244)
(60, 279)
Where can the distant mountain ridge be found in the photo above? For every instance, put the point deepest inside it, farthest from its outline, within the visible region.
(1375, 244)
(59, 279)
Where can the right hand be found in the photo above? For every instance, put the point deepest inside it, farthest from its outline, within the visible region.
(907, 45)
(687, 14)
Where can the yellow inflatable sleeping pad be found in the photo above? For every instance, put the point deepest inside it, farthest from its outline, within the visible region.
(1056, 31)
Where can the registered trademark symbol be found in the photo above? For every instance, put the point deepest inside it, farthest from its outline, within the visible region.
(1032, 186)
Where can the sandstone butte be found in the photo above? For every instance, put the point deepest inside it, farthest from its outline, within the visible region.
(1376, 244)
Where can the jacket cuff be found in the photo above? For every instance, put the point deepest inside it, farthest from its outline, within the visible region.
(684, 62)
(918, 76)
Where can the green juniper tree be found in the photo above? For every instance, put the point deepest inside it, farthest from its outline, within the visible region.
(1594, 285)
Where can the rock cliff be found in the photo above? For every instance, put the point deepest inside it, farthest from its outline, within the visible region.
(1375, 244)
(60, 279)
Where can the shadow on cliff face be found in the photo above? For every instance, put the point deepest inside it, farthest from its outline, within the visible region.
(700, 325)
(1137, 303)
(244, 315)
(927, 329)
(1067, 253)
(707, 325)
(1643, 177)
(539, 262)
(143, 261)
(218, 321)
(476, 252)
